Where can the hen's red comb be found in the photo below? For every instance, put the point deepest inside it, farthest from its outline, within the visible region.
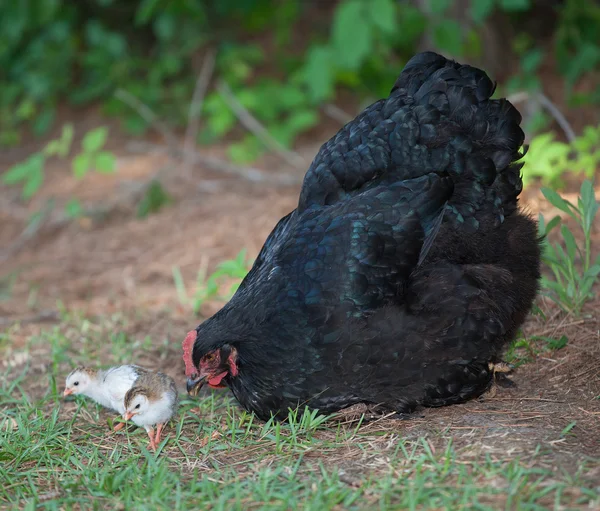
(187, 345)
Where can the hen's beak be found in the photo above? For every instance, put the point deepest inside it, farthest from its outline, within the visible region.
(194, 384)
(127, 415)
(68, 392)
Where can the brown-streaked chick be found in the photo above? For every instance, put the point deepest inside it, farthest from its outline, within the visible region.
(152, 401)
(105, 386)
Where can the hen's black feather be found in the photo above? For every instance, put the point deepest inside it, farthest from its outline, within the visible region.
(406, 267)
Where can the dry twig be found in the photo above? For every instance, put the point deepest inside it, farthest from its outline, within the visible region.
(336, 113)
(208, 67)
(552, 109)
(46, 315)
(148, 115)
(248, 173)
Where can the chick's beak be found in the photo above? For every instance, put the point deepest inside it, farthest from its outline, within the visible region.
(194, 384)
(127, 415)
(67, 392)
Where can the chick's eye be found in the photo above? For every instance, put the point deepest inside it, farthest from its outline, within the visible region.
(76, 383)
(137, 406)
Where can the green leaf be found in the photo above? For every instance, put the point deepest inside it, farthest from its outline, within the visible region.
(439, 6)
(383, 15)
(481, 9)
(35, 179)
(105, 162)
(165, 26)
(81, 164)
(552, 224)
(43, 122)
(447, 35)
(351, 37)
(556, 344)
(94, 139)
(134, 124)
(589, 204)
(26, 110)
(318, 73)
(179, 285)
(592, 272)
(31, 171)
(16, 173)
(514, 5)
(566, 431)
(532, 60)
(61, 146)
(412, 24)
(584, 60)
(66, 138)
(146, 9)
(73, 208)
(558, 202)
(154, 199)
(302, 120)
(570, 242)
(232, 268)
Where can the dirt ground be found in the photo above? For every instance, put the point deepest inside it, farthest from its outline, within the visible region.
(115, 263)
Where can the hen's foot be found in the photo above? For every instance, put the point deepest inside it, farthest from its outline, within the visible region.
(500, 370)
(406, 416)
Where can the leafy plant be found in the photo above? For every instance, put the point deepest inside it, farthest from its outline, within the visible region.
(153, 200)
(30, 172)
(549, 159)
(208, 288)
(574, 272)
(577, 47)
(92, 156)
(149, 47)
(524, 349)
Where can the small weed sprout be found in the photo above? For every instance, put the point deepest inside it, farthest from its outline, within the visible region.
(208, 288)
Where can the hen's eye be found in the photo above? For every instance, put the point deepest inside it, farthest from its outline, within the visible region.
(137, 406)
(76, 383)
(209, 357)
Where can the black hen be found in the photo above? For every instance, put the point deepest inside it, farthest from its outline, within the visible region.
(405, 269)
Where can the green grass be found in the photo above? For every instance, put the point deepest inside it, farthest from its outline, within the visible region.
(58, 454)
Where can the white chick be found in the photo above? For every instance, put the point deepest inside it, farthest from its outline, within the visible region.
(152, 401)
(107, 387)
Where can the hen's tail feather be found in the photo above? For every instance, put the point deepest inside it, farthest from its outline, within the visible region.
(439, 118)
(482, 137)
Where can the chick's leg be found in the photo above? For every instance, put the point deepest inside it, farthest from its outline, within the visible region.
(150, 432)
(159, 428)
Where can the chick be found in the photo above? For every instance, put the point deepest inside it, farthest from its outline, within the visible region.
(152, 401)
(106, 387)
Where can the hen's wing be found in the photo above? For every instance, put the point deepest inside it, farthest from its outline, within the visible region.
(361, 251)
